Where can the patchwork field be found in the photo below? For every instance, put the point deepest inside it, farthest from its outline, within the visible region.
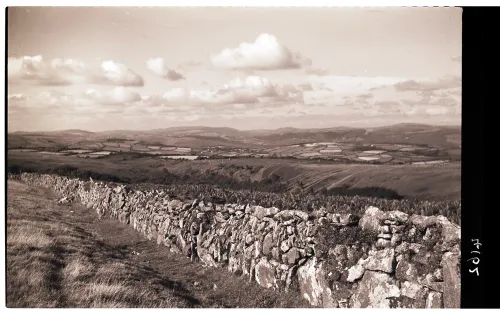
(398, 144)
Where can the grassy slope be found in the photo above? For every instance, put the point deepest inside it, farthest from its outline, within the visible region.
(413, 181)
(62, 256)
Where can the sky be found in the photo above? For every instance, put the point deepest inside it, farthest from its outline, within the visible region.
(141, 68)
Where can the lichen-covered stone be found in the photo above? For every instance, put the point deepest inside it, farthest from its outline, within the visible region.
(406, 271)
(287, 214)
(265, 274)
(292, 256)
(434, 301)
(450, 232)
(371, 219)
(422, 222)
(268, 244)
(374, 291)
(382, 243)
(396, 216)
(357, 271)
(382, 260)
(410, 289)
(312, 282)
(451, 280)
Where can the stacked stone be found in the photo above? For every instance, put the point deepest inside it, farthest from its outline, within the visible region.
(415, 250)
(413, 261)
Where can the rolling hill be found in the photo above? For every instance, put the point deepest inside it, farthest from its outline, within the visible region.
(410, 134)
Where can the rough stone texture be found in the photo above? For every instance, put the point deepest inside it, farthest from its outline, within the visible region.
(282, 249)
(451, 278)
(406, 271)
(371, 219)
(382, 260)
(356, 272)
(422, 222)
(268, 244)
(450, 232)
(292, 257)
(265, 274)
(434, 301)
(397, 216)
(308, 282)
(374, 291)
(410, 289)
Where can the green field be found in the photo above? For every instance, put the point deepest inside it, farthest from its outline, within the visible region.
(427, 182)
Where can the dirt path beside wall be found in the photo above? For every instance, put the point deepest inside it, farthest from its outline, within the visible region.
(64, 256)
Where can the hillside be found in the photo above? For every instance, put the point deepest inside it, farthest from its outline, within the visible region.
(193, 136)
(421, 182)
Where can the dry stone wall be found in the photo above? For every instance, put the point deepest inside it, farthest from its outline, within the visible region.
(382, 259)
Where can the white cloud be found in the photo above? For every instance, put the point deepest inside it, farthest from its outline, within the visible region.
(34, 69)
(42, 104)
(240, 95)
(91, 102)
(250, 90)
(158, 66)
(423, 108)
(387, 107)
(116, 96)
(446, 82)
(119, 74)
(351, 84)
(437, 111)
(56, 72)
(18, 96)
(266, 53)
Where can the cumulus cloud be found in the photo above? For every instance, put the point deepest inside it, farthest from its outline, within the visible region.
(388, 107)
(446, 82)
(437, 111)
(364, 96)
(347, 103)
(116, 96)
(17, 103)
(58, 72)
(88, 102)
(434, 101)
(158, 66)
(44, 103)
(55, 72)
(16, 97)
(266, 53)
(353, 84)
(305, 87)
(426, 110)
(457, 59)
(119, 74)
(250, 90)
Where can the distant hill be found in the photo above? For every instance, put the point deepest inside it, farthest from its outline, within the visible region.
(404, 133)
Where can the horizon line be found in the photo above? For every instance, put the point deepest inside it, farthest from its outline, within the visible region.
(228, 127)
